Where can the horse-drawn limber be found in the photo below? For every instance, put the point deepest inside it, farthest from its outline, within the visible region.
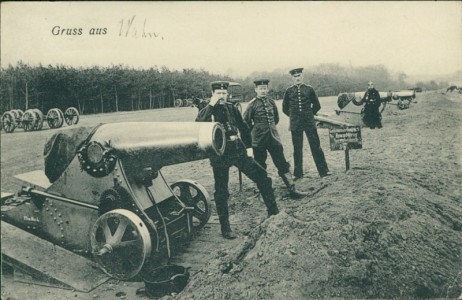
(104, 195)
(33, 119)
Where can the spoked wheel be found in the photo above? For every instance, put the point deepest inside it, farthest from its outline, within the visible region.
(29, 119)
(194, 195)
(38, 119)
(8, 122)
(178, 103)
(17, 113)
(54, 118)
(120, 243)
(71, 116)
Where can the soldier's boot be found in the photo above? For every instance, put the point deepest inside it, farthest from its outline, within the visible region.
(226, 231)
(293, 192)
(221, 203)
(267, 193)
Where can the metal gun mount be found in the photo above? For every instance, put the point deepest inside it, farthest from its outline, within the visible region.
(111, 199)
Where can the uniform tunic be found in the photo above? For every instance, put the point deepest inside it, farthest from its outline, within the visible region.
(372, 116)
(235, 155)
(262, 116)
(301, 104)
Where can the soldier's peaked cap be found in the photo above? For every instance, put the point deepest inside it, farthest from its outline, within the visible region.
(219, 85)
(261, 82)
(296, 71)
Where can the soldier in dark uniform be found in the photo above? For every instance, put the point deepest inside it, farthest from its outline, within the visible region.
(301, 104)
(238, 153)
(262, 117)
(372, 116)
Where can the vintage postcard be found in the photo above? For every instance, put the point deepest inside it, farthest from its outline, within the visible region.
(231, 150)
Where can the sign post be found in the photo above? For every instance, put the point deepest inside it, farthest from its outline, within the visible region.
(345, 138)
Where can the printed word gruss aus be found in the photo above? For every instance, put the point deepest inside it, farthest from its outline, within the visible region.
(58, 30)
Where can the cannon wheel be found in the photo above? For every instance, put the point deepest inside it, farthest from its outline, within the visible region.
(29, 120)
(62, 116)
(55, 118)
(178, 103)
(195, 195)
(120, 243)
(17, 113)
(71, 116)
(8, 122)
(38, 119)
(238, 106)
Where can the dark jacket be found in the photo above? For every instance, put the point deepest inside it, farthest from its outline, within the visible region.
(231, 119)
(301, 104)
(262, 116)
(372, 97)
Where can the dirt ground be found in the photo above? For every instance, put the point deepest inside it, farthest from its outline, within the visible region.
(390, 227)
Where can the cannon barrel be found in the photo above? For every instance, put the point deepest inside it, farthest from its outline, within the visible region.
(404, 94)
(159, 144)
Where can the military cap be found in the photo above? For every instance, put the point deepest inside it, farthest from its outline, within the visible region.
(296, 71)
(220, 85)
(261, 82)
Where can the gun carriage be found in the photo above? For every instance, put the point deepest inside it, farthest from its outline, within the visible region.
(33, 119)
(105, 195)
(183, 102)
(354, 113)
(404, 98)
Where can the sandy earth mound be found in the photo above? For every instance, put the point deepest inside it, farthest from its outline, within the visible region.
(390, 227)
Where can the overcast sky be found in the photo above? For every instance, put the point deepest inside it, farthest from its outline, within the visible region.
(237, 38)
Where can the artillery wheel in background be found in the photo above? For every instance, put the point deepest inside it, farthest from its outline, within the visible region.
(8, 122)
(71, 116)
(38, 119)
(120, 243)
(55, 118)
(17, 113)
(29, 120)
(178, 103)
(62, 115)
(238, 106)
(194, 195)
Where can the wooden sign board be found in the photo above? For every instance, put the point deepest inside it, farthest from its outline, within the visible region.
(351, 136)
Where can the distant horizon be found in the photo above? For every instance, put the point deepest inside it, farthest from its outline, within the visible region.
(411, 78)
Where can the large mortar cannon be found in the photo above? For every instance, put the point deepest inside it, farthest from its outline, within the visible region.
(104, 193)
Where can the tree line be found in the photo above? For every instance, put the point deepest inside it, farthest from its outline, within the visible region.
(99, 89)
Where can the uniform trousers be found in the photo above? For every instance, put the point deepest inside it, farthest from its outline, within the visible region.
(277, 154)
(316, 151)
(235, 155)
